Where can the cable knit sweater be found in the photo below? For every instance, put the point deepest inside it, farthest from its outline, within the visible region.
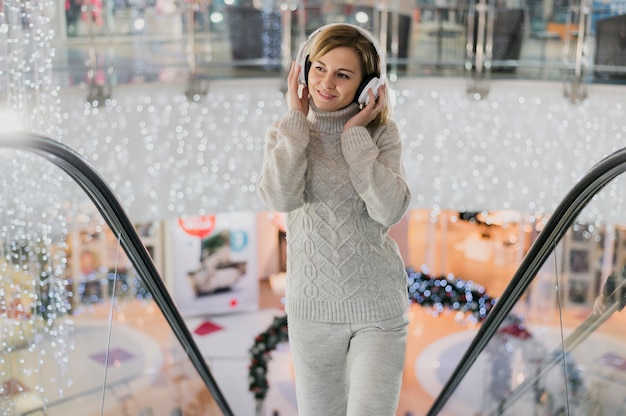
(342, 191)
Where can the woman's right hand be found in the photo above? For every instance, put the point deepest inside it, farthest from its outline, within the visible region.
(294, 99)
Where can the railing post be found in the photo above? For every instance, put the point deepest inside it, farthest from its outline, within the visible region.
(479, 48)
(575, 88)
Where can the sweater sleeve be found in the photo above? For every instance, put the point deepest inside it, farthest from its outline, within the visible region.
(377, 171)
(281, 182)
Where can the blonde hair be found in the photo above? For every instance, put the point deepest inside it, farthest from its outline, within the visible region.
(337, 36)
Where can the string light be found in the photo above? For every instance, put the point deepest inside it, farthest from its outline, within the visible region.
(522, 148)
(32, 94)
(34, 302)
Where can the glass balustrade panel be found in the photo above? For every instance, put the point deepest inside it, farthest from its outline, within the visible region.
(80, 332)
(561, 349)
(111, 43)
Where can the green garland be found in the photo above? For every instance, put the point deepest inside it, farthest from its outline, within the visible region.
(439, 293)
(264, 344)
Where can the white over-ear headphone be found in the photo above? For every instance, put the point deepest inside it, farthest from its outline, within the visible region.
(369, 82)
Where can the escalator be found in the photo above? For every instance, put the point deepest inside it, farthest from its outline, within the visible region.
(114, 343)
(555, 342)
(103, 341)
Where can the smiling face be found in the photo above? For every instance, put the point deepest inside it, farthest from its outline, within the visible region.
(334, 78)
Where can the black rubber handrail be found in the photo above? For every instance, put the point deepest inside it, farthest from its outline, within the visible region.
(563, 218)
(110, 208)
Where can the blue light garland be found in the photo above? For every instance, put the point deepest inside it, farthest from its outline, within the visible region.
(449, 293)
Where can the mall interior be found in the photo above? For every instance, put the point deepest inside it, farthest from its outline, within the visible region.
(141, 275)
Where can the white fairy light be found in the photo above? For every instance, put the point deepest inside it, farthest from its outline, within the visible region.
(26, 65)
(32, 256)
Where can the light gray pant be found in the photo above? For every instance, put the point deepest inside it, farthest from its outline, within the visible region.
(348, 369)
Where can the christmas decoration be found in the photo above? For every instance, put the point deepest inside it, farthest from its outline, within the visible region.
(260, 352)
(449, 293)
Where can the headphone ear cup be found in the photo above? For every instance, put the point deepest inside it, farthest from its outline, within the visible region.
(305, 66)
(362, 94)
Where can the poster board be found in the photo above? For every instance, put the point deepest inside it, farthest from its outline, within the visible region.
(214, 263)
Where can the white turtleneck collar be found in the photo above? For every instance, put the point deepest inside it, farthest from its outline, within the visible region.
(330, 121)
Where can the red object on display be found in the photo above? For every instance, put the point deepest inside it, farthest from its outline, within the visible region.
(201, 226)
(207, 328)
(516, 330)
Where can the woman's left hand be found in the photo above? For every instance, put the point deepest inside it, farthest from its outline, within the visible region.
(370, 111)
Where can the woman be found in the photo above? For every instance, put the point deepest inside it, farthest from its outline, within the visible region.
(335, 166)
